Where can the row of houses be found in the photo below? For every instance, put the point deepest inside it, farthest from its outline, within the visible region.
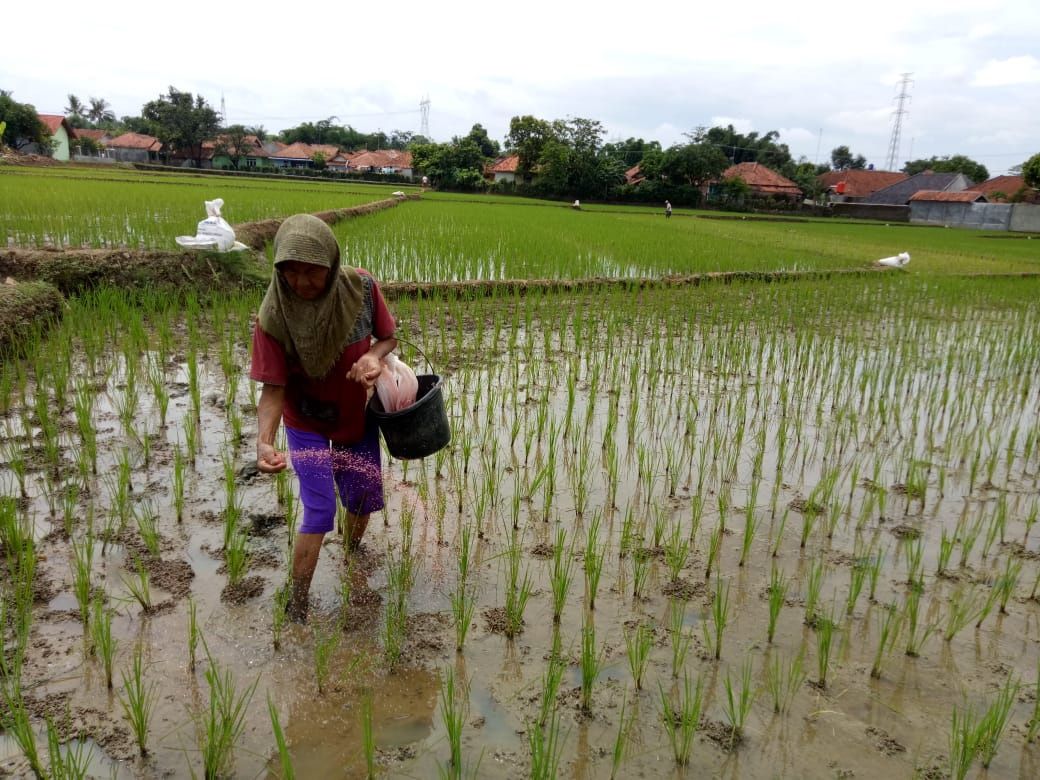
(251, 152)
(866, 187)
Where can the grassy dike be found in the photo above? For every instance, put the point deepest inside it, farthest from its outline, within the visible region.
(25, 306)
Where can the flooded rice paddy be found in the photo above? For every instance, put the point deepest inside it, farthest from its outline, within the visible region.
(739, 531)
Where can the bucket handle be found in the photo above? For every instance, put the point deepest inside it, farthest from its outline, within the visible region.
(418, 349)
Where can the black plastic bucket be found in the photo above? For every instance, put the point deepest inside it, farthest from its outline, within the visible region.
(420, 430)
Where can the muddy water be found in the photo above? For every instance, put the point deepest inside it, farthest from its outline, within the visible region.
(855, 726)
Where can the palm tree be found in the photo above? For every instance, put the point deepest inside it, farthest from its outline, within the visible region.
(100, 111)
(75, 108)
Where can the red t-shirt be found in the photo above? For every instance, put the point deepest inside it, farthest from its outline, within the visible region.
(334, 392)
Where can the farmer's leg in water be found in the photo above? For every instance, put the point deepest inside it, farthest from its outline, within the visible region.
(312, 461)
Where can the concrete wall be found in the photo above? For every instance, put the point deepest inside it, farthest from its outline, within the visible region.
(1025, 218)
(872, 211)
(977, 216)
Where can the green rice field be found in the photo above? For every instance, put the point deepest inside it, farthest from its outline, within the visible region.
(740, 530)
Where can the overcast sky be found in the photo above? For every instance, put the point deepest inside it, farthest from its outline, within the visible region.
(821, 73)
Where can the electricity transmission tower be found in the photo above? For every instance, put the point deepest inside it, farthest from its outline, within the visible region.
(902, 98)
(424, 109)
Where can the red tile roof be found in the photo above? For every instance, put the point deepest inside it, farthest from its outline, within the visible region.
(382, 158)
(250, 146)
(859, 183)
(963, 196)
(634, 175)
(95, 135)
(53, 121)
(505, 164)
(1008, 185)
(302, 151)
(761, 178)
(136, 141)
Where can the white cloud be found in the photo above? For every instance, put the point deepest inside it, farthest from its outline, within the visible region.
(1009, 72)
(743, 126)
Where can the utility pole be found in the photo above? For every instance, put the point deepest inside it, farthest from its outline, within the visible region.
(902, 98)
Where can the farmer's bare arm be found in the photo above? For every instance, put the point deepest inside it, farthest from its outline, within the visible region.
(269, 417)
(368, 366)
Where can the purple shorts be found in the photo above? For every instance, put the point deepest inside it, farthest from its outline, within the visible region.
(323, 466)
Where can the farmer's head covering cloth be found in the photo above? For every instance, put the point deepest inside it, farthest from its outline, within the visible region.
(315, 332)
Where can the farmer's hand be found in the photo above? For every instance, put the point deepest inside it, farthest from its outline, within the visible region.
(365, 370)
(268, 459)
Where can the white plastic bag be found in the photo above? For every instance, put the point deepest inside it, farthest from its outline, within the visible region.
(896, 261)
(396, 384)
(213, 232)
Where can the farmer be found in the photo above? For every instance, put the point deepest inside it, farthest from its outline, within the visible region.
(313, 350)
(667, 209)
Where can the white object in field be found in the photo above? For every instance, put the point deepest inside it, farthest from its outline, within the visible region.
(397, 194)
(213, 232)
(207, 243)
(396, 384)
(896, 261)
(576, 204)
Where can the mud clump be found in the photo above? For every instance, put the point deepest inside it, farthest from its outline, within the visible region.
(243, 590)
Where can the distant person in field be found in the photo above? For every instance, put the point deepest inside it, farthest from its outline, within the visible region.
(319, 340)
(576, 204)
(667, 208)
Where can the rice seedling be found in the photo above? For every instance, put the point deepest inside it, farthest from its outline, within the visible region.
(546, 746)
(889, 622)
(221, 725)
(681, 719)
(774, 544)
(178, 482)
(676, 551)
(279, 614)
(777, 594)
(784, 680)
(453, 711)
(16, 723)
(968, 540)
(1034, 722)
(874, 564)
(1007, 582)
(326, 642)
(825, 628)
(638, 643)
(738, 701)
(518, 590)
(237, 556)
(994, 722)
(193, 632)
(140, 586)
(680, 640)
(368, 741)
(138, 700)
(963, 742)
(102, 641)
(915, 639)
(284, 759)
(813, 584)
(68, 762)
(714, 546)
(946, 543)
(964, 608)
(82, 566)
(719, 619)
(147, 526)
(620, 741)
(987, 605)
(640, 572)
(591, 663)
(914, 565)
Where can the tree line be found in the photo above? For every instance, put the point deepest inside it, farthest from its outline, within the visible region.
(556, 158)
